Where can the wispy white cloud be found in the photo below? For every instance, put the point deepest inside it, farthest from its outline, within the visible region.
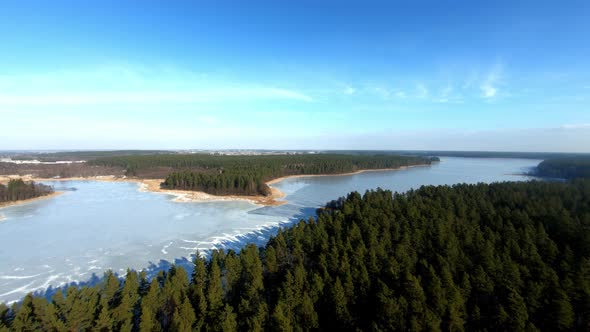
(400, 94)
(470, 86)
(488, 90)
(114, 85)
(445, 94)
(489, 87)
(576, 126)
(421, 91)
(470, 81)
(383, 92)
(349, 90)
(446, 91)
(148, 97)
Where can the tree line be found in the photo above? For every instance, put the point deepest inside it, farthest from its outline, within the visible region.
(17, 190)
(223, 183)
(325, 163)
(566, 168)
(247, 175)
(505, 256)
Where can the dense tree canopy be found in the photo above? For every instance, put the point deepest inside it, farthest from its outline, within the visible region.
(17, 190)
(312, 163)
(566, 168)
(507, 256)
(246, 175)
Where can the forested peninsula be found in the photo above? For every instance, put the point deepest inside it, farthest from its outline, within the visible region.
(19, 190)
(247, 175)
(565, 167)
(505, 256)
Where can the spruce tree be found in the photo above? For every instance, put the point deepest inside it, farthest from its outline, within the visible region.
(214, 294)
(25, 319)
(150, 305)
(228, 320)
(197, 291)
(104, 322)
(184, 317)
(252, 309)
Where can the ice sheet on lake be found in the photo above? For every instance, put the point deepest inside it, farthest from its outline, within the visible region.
(77, 236)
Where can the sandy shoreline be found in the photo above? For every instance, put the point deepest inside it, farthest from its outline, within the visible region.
(150, 185)
(153, 185)
(25, 201)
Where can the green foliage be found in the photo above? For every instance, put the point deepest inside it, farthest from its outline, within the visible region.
(565, 167)
(252, 308)
(197, 291)
(150, 304)
(17, 190)
(246, 175)
(26, 318)
(214, 294)
(506, 257)
(184, 317)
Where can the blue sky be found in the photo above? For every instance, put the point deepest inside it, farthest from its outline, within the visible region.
(452, 75)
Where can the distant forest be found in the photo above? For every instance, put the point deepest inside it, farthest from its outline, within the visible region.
(79, 155)
(17, 190)
(502, 257)
(566, 168)
(249, 178)
(246, 175)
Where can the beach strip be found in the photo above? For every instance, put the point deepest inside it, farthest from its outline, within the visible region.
(153, 185)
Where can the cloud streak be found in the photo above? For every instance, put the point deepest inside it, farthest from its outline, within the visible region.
(576, 126)
(421, 91)
(148, 97)
(488, 90)
(349, 90)
(126, 86)
(489, 87)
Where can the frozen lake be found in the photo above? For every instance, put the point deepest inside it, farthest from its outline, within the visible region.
(97, 226)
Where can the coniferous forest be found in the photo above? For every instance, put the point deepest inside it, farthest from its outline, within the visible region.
(248, 175)
(565, 167)
(17, 190)
(505, 256)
